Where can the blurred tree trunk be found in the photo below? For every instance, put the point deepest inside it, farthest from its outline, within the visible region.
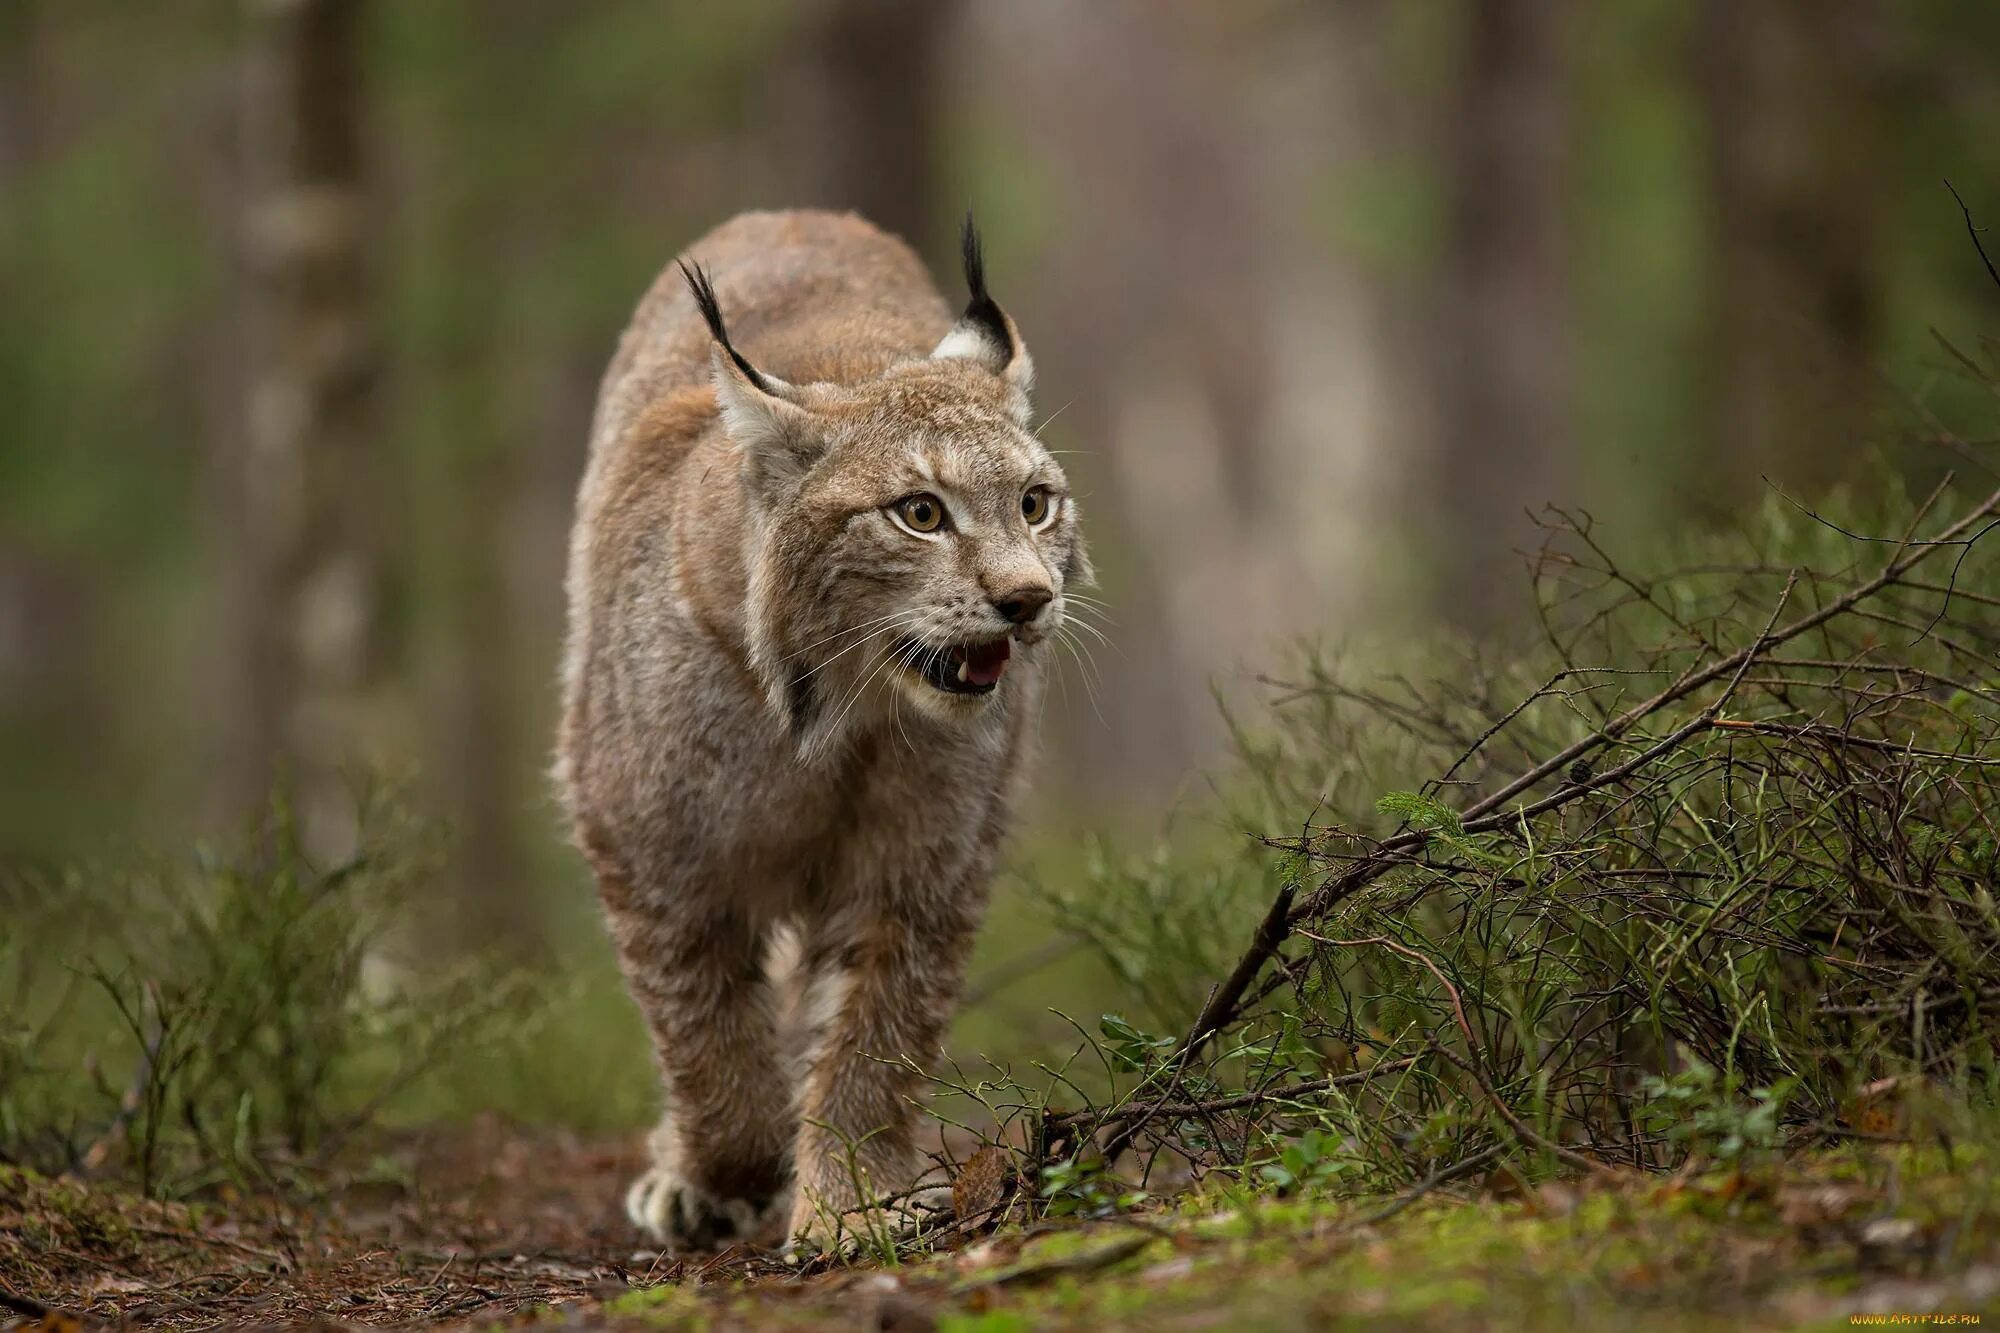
(307, 585)
(43, 607)
(477, 728)
(477, 363)
(855, 102)
(20, 119)
(1504, 335)
(1799, 180)
(1165, 382)
(54, 728)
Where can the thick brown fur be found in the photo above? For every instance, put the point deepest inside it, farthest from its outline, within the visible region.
(791, 828)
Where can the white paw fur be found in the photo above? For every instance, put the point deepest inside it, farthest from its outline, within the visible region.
(682, 1218)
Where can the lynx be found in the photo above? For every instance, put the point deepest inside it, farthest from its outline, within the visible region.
(813, 585)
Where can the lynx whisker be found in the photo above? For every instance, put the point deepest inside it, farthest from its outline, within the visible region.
(1078, 622)
(852, 629)
(1086, 668)
(907, 618)
(854, 696)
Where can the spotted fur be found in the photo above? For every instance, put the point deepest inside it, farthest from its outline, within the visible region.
(791, 830)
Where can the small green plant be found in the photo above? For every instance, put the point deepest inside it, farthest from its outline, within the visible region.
(871, 1227)
(1713, 1114)
(1128, 1047)
(1314, 1158)
(1079, 1186)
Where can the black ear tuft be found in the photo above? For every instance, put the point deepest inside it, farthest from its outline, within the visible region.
(981, 310)
(711, 311)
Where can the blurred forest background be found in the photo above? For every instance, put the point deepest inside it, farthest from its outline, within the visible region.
(308, 300)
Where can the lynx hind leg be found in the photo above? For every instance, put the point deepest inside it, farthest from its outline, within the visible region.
(682, 1217)
(721, 1155)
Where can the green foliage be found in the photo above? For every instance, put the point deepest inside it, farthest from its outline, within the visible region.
(1128, 1047)
(1313, 1158)
(1713, 1114)
(1429, 815)
(1422, 812)
(1777, 883)
(1162, 924)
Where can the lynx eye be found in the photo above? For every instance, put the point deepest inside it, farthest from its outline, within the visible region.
(1037, 505)
(920, 513)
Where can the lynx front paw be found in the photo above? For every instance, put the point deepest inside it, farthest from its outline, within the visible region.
(683, 1218)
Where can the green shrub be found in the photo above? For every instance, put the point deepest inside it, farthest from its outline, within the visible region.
(1738, 815)
(236, 1017)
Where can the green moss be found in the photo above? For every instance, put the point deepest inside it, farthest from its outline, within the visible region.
(1710, 1251)
(1697, 1253)
(668, 1305)
(992, 1321)
(45, 1214)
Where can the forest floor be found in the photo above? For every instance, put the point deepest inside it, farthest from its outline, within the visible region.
(497, 1228)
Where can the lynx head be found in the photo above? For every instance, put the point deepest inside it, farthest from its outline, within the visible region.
(910, 540)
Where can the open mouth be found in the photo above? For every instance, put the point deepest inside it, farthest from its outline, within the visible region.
(959, 668)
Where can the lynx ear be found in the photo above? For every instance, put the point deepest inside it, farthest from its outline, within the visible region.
(761, 412)
(986, 336)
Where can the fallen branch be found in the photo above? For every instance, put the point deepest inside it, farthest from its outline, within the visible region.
(1444, 1175)
(1098, 1119)
(1457, 1000)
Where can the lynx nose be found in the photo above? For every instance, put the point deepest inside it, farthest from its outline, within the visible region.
(1023, 604)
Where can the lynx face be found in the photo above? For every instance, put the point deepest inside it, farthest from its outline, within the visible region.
(910, 537)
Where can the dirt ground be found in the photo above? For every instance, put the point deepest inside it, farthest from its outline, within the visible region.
(487, 1227)
(501, 1229)
(483, 1224)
